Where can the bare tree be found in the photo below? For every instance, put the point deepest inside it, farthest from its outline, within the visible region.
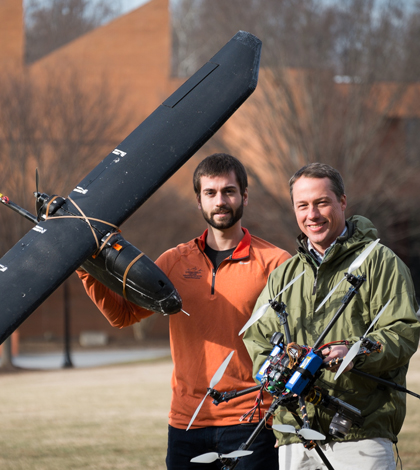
(81, 127)
(335, 87)
(19, 101)
(59, 126)
(184, 29)
(53, 23)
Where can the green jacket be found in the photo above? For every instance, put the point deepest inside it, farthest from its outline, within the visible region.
(397, 329)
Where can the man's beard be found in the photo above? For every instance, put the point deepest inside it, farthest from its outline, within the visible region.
(224, 224)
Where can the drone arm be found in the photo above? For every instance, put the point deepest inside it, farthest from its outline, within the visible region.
(398, 328)
(261, 425)
(399, 341)
(318, 450)
(221, 397)
(257, 337)
(356, 283)
(280, 309)
(23, 212)
(304, 413)
(388, 383)
(367, 347)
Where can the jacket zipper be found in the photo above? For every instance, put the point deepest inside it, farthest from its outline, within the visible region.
(213, 281)
(213, 274)
(315, 282)
(314, 268)
(317, 269)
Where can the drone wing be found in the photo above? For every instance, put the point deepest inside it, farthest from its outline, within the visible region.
(37, 265)
(125, 179)
(131, 173)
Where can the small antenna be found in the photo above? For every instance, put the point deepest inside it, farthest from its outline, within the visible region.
(38, 204)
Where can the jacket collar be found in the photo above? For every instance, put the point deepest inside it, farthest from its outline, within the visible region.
(241, 251)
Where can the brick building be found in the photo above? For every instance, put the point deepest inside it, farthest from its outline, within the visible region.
(134, 53)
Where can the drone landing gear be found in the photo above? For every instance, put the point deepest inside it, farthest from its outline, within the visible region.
(280, 401)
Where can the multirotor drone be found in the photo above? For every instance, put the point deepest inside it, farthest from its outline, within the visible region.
(291, 376)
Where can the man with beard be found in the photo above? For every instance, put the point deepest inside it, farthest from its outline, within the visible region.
(219, 277)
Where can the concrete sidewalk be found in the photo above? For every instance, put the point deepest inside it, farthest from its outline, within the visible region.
(83, 359)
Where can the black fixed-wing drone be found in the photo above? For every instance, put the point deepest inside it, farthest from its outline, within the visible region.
(292, 375)
(82, 229)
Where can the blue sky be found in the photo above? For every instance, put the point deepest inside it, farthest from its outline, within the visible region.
(128, 5)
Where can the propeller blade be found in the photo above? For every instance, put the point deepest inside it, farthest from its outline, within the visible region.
(284, 428)
(290, 283)
(197, 410)
(307, 434)
(311, 435)
(355, 265)
(254, 318)
(220, 371)
(329, 294)
(36, 189)
(212, 456)
(356, 346)
(206, 458)
(213, 382)
(237, 453)
(260, 312)
(377, 317)
(363, 255)
(348, 358)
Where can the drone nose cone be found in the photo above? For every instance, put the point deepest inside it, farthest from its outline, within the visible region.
(171, 304)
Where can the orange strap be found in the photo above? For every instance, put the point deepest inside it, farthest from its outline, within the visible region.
(100, 248)
(86, 219)
(126, 273)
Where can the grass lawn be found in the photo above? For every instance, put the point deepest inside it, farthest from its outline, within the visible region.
(102, 418)
(113, 418)
(408, 445)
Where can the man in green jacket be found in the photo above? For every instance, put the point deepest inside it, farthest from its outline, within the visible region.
(327, 246)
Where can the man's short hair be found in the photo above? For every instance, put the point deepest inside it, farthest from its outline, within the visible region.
(220, 164)
(320, 170)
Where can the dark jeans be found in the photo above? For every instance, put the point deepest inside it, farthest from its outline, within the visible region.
(184, 445)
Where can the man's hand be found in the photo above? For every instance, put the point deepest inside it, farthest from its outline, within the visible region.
(334, 352)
